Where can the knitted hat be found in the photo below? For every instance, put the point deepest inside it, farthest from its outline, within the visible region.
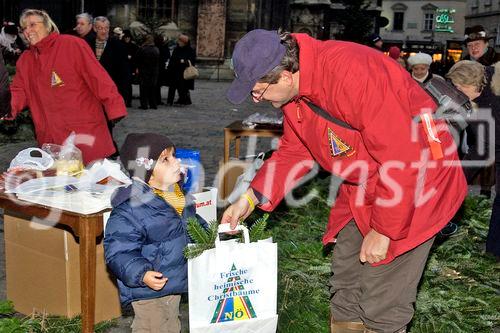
(394, 52)
(140, 152)
(420, 58)
(476, 32)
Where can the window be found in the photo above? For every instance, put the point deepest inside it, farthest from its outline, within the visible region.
(487, 3)
(428, 21)
(155, 9)
(474, 3)
(398, 21)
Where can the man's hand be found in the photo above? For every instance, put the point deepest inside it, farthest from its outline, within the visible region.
(154, 280)
(240, 210)
(374, 247)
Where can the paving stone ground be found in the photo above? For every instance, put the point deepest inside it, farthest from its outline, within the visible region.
(198, 126)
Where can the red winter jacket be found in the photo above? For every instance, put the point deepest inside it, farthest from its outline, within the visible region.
(388, 186)
(66, 89)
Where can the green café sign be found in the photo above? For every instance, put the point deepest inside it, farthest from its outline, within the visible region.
(444, 20)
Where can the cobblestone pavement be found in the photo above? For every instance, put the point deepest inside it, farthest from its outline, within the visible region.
(198, 126)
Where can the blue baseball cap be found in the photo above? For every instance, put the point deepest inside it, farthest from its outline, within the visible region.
(255, 55)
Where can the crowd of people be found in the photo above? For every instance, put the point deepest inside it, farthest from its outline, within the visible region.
(127, 61)
(348, 107)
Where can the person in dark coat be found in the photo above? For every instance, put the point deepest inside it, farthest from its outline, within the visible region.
(132, 49)
(482, 85)
(146, 233)
(84, 28)
(147, 60)
(4, 89)
(164, 59)
(181, 56)
(112, 55)
(476, 40)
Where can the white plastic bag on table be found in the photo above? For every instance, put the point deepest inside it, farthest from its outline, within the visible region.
(232, 288)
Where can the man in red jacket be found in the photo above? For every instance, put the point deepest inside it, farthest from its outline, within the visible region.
(65, 88)
(351, 110)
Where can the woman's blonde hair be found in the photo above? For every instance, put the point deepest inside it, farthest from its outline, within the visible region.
(467, 73)
(46, 20)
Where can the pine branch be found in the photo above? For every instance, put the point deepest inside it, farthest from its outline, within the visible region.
(258, 229)
(197, 233)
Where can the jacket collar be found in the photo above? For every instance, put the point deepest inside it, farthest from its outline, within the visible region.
(140, 193)
(306, 65)
(45, 43)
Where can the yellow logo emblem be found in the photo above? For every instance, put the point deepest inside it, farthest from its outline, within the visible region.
(56, 80)
(337, 146)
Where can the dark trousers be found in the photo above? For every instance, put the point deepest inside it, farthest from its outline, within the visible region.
(493, 238)
(147, 93)
(381, 297)
(128, 96)
(183, 90)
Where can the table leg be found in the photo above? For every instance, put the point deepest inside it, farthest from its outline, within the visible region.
(88, 227)
(237, 142)
(227, 141)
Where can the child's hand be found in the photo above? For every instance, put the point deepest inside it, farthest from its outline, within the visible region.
(154, 280)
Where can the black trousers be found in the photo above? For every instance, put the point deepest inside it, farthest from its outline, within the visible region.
(493, 239)
(183, 90)
(147, 91)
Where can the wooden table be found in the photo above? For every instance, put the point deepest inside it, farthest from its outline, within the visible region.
(235, 131)
(87, 228)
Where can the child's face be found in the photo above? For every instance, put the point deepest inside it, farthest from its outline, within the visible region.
(167, 170)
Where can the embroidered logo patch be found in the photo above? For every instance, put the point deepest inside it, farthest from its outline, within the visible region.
(56, 80)
(337, 146)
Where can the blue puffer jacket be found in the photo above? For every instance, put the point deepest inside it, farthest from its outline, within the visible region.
(145, 233)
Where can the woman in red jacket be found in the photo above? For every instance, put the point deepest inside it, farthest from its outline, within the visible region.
(65, 88)
(350, 109)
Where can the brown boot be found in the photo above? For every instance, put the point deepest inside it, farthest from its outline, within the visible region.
(346, 327)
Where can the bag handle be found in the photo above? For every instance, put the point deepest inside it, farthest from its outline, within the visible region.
(225, 227)
(189, 62)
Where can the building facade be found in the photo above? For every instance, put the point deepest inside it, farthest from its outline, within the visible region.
(434, 27)
(487, 14)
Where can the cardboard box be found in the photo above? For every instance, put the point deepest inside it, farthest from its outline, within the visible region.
(228, 174)
(43, 271)
(206, 203)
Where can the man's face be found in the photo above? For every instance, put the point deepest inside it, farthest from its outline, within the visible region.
(278, 94)
(420, 70)
(477, 48)
(83, 27)
(379, 44)
(102, 30)
(35, 30)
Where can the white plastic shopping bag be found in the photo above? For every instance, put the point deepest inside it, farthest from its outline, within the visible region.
(232, 288)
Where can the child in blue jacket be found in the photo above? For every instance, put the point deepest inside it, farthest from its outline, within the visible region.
(146, 233)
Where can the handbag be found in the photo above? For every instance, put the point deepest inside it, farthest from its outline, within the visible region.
(191, 72)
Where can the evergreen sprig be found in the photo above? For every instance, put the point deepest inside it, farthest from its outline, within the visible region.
(204, 239)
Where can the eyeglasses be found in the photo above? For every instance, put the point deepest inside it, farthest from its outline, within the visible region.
(102, 28)
(31, 25)
(258, 96)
